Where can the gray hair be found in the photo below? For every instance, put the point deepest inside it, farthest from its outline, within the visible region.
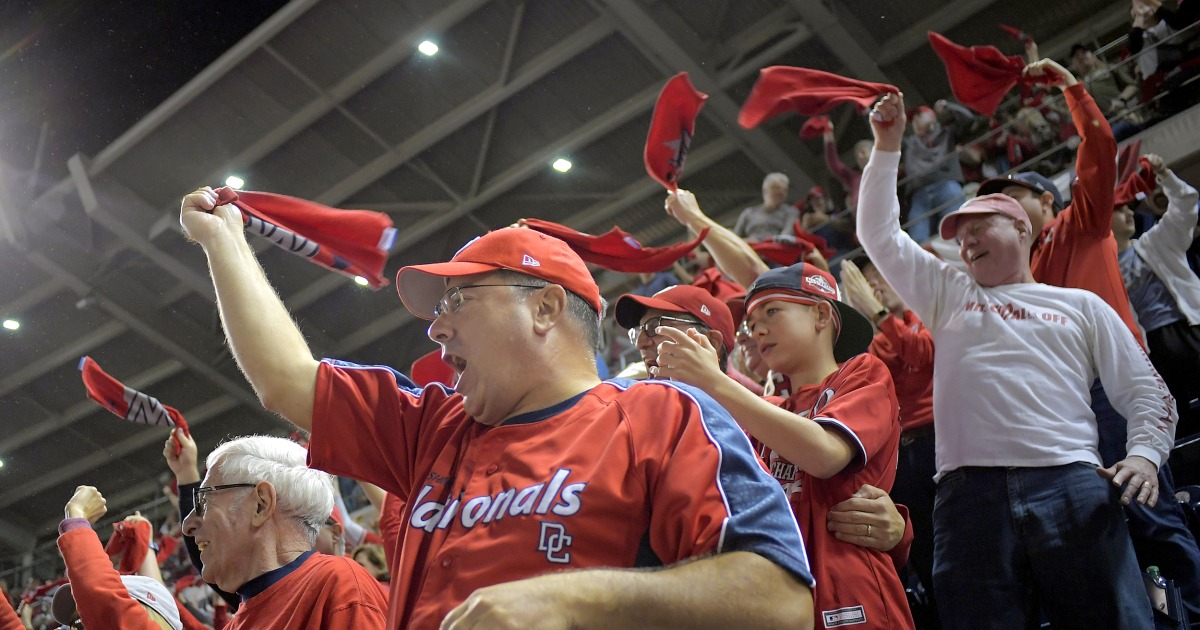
(780, 177)
(302, 493)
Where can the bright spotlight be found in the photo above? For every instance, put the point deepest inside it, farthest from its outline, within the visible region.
(562, 165)
(361, 281)
(428, 48)
(233, 181)
(12, 324)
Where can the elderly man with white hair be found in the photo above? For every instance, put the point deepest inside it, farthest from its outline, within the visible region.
(256, 519)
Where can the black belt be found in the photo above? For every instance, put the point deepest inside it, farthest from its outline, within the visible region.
(912, 435)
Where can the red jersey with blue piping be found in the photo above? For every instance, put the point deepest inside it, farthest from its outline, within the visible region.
(855, 585)
(626, 474)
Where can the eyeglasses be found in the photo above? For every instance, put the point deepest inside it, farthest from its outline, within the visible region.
(649, 325)
(201, 502)
(452, 299)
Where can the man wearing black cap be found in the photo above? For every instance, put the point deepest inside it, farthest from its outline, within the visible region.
(1075, 248)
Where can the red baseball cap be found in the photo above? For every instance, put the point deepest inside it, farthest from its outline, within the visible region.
(995, 203)
(681, 298)
(804, 282)
(517, 249)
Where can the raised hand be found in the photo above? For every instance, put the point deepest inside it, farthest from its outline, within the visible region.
(888, 120)
(203, 219)
(87, 502)
(183, 463)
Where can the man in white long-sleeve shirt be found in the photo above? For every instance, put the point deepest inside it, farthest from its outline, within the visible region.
(1021, 514)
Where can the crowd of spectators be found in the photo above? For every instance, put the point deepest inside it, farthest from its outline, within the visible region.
(837, 366)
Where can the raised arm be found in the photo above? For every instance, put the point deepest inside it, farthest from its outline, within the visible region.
(731, 252)
(1095, 160)
(912, 271)
(267, 344)
(1173, 233)
(729, 590)
(834, 161)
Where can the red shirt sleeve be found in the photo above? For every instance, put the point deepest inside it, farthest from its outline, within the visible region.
(899, 553)
(863, 405)
(391, 523)
(8, 617)
(913, 347)
(99, 593)
(369, 423)
(1091, 206)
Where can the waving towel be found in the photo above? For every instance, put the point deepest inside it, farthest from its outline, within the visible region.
(354, 242)
(980, 76)
(616, 249)
(671, 130)
(782, 89)
(128, 403)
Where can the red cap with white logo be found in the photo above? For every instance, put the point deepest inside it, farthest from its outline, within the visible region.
(516, 249)
(681, 298)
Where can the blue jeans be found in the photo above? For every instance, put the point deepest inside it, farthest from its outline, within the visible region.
(1160, 534)
(1011, 541)
(948, 193)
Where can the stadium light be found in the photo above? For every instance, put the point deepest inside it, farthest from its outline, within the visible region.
(428, 48)
(12, 324)
(562, 165)
(235, 182)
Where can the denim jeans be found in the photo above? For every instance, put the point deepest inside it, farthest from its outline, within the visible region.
(1012, 541)
(935, 195)
(1160, 534)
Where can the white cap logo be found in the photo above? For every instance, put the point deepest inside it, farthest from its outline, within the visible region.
(704, 309)
(820, 285)
(529, 261)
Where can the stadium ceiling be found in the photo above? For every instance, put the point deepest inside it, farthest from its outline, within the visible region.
(331, 100)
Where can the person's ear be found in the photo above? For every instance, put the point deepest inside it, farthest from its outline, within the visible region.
(824, 315)
(264, 503)
(1048, 204)
(549, 306)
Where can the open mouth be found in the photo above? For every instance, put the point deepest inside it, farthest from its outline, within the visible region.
(766, 349)
(978, 256)
(455, 362)
(201, 546)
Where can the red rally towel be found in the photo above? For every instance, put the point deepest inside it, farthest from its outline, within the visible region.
(782, 89)
(128, 403)
(354, 242)
(671, 130)
(718, 285)
(131, 541)
(1016, 33)
(616, 249)
(814, 127)
(980, 76)
(1136, 185)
